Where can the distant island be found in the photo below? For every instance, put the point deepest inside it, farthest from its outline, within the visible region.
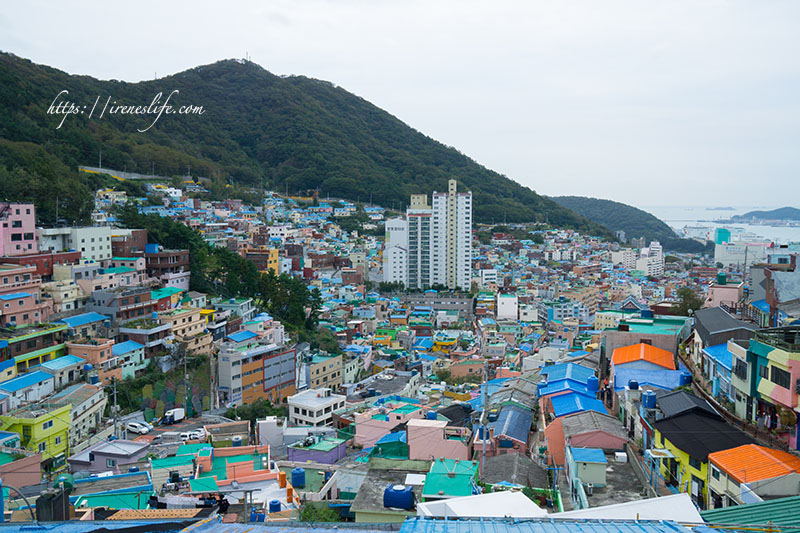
(783, 214)
(720, 209)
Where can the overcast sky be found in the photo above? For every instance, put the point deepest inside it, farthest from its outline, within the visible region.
(645, 102)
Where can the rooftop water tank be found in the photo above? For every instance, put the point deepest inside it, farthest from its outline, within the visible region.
(87, 367)
(237, 440)
(398, 497)
(155, 315)
(431, 415)
(299, 477)
(686, 377)
(593, 384)
(633, 385)
(66, 480)
(649, 399)
(133, 469)
(274, 506)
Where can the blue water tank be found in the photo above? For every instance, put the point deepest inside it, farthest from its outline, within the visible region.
(686, 377)
(431, 415)
(299, 477)
(87, 367)
(274, 506)
(133, 469)
(253, 515)
(272, 465)
(593, 384)
(398, 497)
(260, 517)
(647, 313)
(328, 475)
(633, 385)
(237, 440)
(94, 380)
(649, 399)
(154, 315)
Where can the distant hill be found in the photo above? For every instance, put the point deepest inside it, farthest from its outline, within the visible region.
(286, 133)
(634, 222)
(782, 213)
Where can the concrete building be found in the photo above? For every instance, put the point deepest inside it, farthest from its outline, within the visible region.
(17, 229)
(249, 370)
(93, 242)
(451, 238)
(325, 371)
(419, 216)
(507, 307)
(395, 252)
(20, 300)
(88, 402)
(314, 407)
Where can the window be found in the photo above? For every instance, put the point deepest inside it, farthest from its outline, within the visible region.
(111, 463)
(47, 425)
(58, 441)
(42, 447)
(763, 371)
(714, 473)
(780, 377)
(694, 463)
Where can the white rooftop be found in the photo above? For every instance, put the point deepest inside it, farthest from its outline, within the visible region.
(490, 505)
(676, 507)
(315, 398)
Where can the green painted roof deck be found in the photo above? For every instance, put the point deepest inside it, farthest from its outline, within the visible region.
(116, 500)
(203, 484)
(190, 449)
(406, 409)
(323, 445)
(172, 462)
(315, 478)
(450, 478)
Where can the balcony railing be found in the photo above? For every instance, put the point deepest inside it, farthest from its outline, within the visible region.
(786, 338)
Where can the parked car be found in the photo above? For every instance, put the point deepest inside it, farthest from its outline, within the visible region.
(198, 434)
(137, 427)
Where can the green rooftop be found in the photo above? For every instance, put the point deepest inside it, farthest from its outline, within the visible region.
(203, 484)
(450, 478)
(191, 449)
(118, 270)
(780, 513)
(172, 462)
(323, 445)
(315, 478)
(219, 465)
(116, 500)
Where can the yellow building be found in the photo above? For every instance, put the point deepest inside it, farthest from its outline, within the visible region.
(325, 371)
(188, 325)
(43, 428)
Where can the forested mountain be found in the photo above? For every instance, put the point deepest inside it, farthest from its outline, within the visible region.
(782, 213)
(633, 221)
(292, 133)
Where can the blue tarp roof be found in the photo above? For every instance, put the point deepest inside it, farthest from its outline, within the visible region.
(397, 436)
(25, 380)
(720, 353)
(424, 343)
(513, 422)
(125, 347)
(571, 403)
(589, 455)
(660, 379)
(241, 336)
(81, 320)
(565, 385)
(571, 371)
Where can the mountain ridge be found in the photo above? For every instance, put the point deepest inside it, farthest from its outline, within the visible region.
(259, 129)
(633, 221)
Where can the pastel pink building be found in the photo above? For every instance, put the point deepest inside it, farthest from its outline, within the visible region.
(17, 229)
(429, 439)
(20, 296)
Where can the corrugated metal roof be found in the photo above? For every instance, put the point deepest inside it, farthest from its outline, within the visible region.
(782, 513)
(644, 352)
(567, 404)
(83, 319)
(753, 462)
(427, 525)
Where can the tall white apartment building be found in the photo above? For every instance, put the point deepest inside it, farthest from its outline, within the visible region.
(419, 216)
(451, 239)
(395, 252)
(93, 242)
(437, 239)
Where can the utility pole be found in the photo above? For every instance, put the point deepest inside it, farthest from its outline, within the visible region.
(100, 162)
(185, 384)
(114, 382)
(484, 415)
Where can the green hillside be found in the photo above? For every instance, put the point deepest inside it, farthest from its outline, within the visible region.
(782, 213)
(286, 133)
(634, 222)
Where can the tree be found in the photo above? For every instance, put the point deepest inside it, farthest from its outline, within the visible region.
(689, 301)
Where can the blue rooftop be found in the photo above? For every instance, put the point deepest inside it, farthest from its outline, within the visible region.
(81, 320)
(241, 336)
(720, 354)
(25, 381)
(571, 403)
(485, 525)
(125, 347)
(397, 436)
(62, 362)
(660, 379)
(571, 371)
(589, 455)
(514, 422)
(16, 295)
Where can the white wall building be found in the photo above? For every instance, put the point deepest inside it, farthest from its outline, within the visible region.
(94, 242)
(451, 237)
(625, 257)
(651, 260)
(395, 252)
(419, 217)
(488, 277)
(507, 307)
(314, 407)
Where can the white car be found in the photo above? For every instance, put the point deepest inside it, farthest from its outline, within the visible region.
(198, 434)
(137, 427)
(186, 435)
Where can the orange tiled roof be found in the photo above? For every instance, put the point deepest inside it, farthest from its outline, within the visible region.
(644, 352)
(752, 462)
